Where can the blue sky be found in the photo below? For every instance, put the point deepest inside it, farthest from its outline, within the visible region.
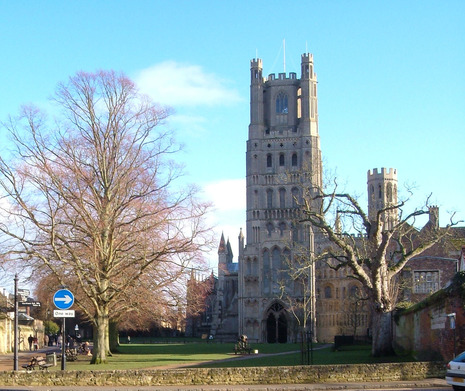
(391, 80)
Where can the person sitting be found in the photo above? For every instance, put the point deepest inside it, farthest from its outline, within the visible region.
(87, 348)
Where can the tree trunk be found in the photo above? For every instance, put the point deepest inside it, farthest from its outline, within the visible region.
(99, 352)
(382, 334)
(107, 337)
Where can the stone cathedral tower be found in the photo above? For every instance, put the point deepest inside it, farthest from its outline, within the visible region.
(283, 157)
(382, 193)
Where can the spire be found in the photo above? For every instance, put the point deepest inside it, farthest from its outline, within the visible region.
(229, 251)
(222, 246)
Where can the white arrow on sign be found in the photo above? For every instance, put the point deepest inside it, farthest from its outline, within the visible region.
(65, 299)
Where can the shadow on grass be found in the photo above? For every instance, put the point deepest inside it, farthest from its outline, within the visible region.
(216, 355)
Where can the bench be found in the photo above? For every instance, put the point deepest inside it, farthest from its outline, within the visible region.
(37, 362)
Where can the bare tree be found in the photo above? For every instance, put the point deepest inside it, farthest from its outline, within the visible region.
(199, 302)
(375, 255)
(90, 198)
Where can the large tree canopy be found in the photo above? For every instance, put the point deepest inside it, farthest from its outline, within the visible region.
(89, 198)
(374, 254)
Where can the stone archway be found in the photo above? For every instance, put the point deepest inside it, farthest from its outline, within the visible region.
(276, 324)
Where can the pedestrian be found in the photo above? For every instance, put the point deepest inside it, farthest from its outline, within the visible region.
(30, 339)
(35, 341)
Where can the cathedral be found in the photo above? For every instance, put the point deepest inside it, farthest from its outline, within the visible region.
(283, 156)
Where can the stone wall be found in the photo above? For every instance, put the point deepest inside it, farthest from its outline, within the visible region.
(425, 329)
(230, 376)
(34, 328)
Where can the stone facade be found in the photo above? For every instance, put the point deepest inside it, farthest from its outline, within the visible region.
(283, 158)
(26, 325)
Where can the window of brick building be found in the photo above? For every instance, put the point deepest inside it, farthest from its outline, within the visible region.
(425, 281)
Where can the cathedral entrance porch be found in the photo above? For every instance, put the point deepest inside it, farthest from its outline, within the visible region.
(276, 324)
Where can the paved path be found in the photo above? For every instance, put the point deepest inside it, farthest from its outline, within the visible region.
(24, 357)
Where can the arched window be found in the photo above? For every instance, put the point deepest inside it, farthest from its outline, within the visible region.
(266, 271)
(285, 259)
(389, 192)
(354, 291)
(269, 160)
(282, 228)
(269, 198)
(379, 191)
(281, 160)
(295, 233)
(275, 267)
(282, 198)
(294, 160)
(281, 103)
(328, 294)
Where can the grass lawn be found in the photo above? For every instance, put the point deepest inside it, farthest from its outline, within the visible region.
(210, 355)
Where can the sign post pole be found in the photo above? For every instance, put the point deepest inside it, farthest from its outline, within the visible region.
(15, 359)
(63, 347)
(63, 299)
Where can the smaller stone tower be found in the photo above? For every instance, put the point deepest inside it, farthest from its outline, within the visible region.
(224, 325)
(382, 193)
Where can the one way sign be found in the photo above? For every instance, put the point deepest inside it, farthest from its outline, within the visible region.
(63, 299)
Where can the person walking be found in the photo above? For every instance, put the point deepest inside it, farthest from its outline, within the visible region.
(30, 339)
(35, 342)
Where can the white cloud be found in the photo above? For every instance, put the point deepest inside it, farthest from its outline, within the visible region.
(175, 84)
(194, 126)
(227, 195)
(228, 215)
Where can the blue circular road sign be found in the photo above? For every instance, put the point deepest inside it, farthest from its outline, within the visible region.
(63, 299)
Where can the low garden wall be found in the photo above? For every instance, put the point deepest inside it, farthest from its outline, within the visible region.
(230, 376)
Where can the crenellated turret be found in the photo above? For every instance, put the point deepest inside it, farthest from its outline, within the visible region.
(256, 98)
(309, 101)
(382, 193)
(241, 243)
